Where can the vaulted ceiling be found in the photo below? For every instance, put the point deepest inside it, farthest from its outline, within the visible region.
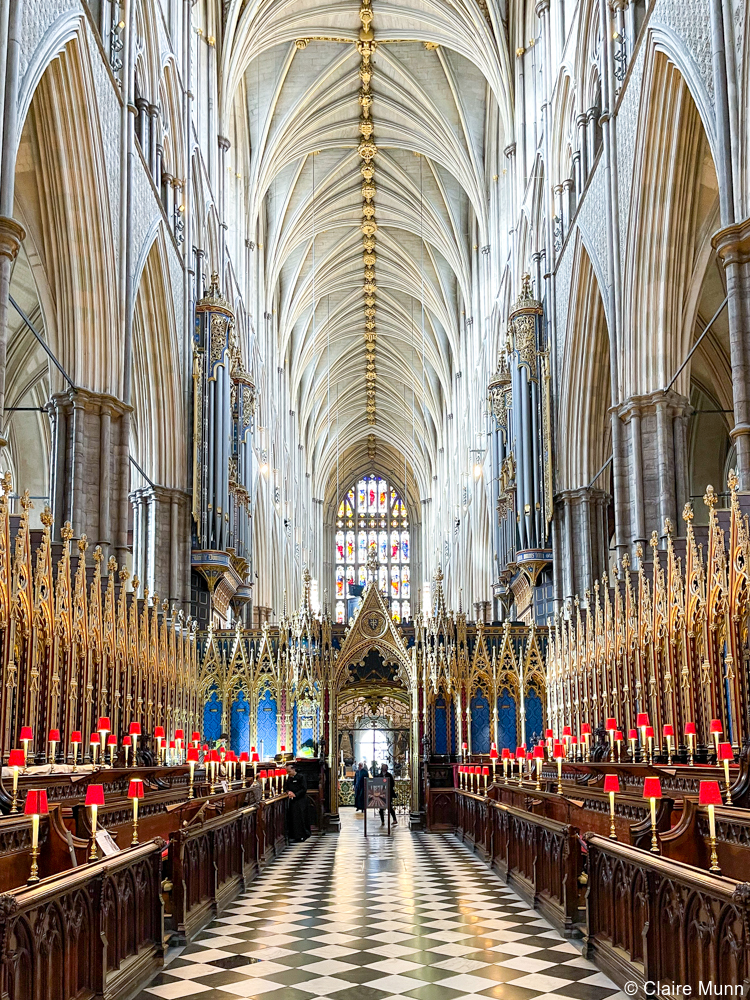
(436, 90)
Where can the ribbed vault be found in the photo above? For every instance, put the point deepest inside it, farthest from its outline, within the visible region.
(440, 106)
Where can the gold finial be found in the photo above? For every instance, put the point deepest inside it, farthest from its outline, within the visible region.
(668, 526)
(626, 562)
(124, 574)
(687, 513)
(66, 532)
(46, 516)
(98, 554)
(732, 480)
(709, 497)
(654, 540)
(26, 502)
(639, 552)
(83, 544)
(111, 565)
(7, 483)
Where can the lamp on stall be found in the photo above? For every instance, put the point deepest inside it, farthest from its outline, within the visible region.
(691, 732)
(725, 755)
(549, 738)
(632, 740)
(642, 723)
(539, 758)
(710, 796)
(179, 738)
(244, 761)
(17, 762)
(213, 760)
(94, 799)
(192, 760)
(172, 748)
(53, 739)
(611, 727)
(716, 730)
(112, 744)
(619, 741)
(505, 757)
(652, 792)
(477, 775)
(586, 737)
(612, 786)
(574, 748)
(263, 776)
(485, 775)
(231, 759)
(567, 736)
(462, 777)
(75, 742)
(520, 757)
(36, 806)
(650, 738)
(494, 758)
(254, 760)
(669, 736)
(195, 739)
(464, 749)
(160, 737)
(93, 746)
(103, 726)
(135, 792)
(26, 736)
(558, 752)
(134, 731)
(126, 745)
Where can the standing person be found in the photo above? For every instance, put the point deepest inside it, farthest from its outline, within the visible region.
(295, 787)
(359, 787)
(385, 773)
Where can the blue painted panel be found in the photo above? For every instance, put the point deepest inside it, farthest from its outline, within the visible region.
(240, 735)
(441, 726)
(480, 723)
(534, 717)
(506, 716)
(267, 725)
(212, 719)
(453, 727)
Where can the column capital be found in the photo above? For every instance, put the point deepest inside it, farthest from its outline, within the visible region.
(732, 244)
(12, 235)
(542, 8)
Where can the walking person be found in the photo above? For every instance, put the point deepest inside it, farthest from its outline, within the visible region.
(385, 773)
(298, 818)
(359, 787)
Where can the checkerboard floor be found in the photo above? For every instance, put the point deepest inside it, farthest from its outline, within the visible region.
(413, 915)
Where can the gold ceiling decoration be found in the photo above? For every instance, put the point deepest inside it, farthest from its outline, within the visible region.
(367, 151)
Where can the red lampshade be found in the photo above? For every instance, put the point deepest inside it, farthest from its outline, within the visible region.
(567, 731)
(27, 733)
(231, 756)
(649, 732)
(16, 758)
(548, 734)
(710, 793)
(264, 774)
(179, 734)
(36, 802)
(585, 729)
(632, 734)
(126, 741)
(558, 750)
(651, 788)
(244, 757)
(642, 720)
(669, 730)
(192, 755)
(283, 748)
(195, 738)
(505, 753)
(690, 729)
(485, 771)
(54, 736)
(725, 751)
(611, 725)
(171, 745)
(95, 795)
(255, 758)
(94, 739)
(464, 746)
(539, 753)
(618, 735)
(111, 740)
(205, 748)
(477, 769)
(520, 753)
(104, 723)
(135, 729)
(494, 754)
(135, 788)
(75, 736)
(575, 741)
(159, 733)
(715, 726)
(611, 783)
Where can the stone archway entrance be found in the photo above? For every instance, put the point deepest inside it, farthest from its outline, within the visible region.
(373, 629)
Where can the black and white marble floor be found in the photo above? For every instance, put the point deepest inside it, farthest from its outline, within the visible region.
(414, 915)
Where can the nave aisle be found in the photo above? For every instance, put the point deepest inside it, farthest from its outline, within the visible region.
(415, 915)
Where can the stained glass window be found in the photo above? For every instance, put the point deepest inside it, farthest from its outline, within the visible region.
(372, 517)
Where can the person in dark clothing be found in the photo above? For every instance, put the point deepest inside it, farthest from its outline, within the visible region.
(385, 773)
(298, 818)
(359, 788)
